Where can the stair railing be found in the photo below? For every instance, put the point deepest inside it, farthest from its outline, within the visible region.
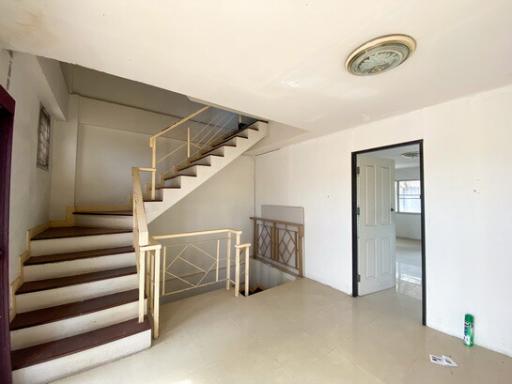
(201, 257)
(280, 244)
(147, 255)
(148, 250)
(200, 132)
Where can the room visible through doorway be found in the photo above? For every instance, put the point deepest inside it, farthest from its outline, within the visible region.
(388, 225)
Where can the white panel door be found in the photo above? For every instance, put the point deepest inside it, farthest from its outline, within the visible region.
(375, 224)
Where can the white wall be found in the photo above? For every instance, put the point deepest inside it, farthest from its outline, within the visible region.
(467, 212)
(30, 186)
(94, 150)
(408, 225)
(104, 161)
(224, 201)
(64, 154)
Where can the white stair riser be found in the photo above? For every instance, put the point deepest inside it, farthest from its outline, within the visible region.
(80, 243)
(113, 221)
(190, 171)
(77, 267)
(188, 184)
(218, 151)
(174, 182)
(26, 337)
(63, 295)
(76, 362)
(203, 161)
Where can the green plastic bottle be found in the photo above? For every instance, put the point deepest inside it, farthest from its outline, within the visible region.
(469, 330)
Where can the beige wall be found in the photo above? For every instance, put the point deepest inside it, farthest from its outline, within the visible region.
(64, 153)
(30, 186)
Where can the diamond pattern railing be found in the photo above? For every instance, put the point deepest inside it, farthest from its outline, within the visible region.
(198, 259)
(279, 243)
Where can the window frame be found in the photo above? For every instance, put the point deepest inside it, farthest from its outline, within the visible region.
(397, 198)
(43, 144)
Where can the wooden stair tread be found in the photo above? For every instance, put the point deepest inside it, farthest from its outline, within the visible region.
(193, 165)
(238, 133)
(203, 156)
(41, 353)
(106, 213)
(178, 175)
(41, 285)
(66, 311)
(217, 146)
(74, 231)
(58, 257)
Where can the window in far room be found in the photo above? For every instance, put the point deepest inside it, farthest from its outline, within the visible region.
(408, 196)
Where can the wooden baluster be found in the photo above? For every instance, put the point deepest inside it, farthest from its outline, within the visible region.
(296, 237)
(152, 144)
(228, 262)
(255, 238)
(237, 271)
(247, 271)
(156, 294)
(142, 273)
(275, 242)
(299, 251)
(217, 261)
(237, 266)
(164, 269)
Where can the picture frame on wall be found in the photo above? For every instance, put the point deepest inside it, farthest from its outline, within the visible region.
(43, 140)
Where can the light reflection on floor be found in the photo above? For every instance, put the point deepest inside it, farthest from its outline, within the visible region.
(408, 267)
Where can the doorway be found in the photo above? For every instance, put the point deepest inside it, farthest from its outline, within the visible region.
(388, 223)
(6, 127)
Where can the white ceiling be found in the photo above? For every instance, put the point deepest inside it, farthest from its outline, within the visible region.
(395, 154)
(282, 60)
(99, 85)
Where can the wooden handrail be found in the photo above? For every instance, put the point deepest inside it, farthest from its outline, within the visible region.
(178, 123)
(139, 215)
(276, 221)
(198, 233)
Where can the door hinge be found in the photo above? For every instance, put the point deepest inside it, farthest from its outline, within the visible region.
(358, 170)
(358, 278)
(358, 211)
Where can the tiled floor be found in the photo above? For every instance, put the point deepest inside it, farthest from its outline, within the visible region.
(408, 268)
(299, 332)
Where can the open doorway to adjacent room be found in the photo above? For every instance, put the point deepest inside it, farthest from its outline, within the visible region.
(388, 225)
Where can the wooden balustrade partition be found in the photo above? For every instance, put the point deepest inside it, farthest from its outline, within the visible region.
(279, 243)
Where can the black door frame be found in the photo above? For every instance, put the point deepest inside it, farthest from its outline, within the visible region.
(6, 129)
(355, 287)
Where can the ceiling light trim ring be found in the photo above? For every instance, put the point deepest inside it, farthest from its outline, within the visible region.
(380, 54)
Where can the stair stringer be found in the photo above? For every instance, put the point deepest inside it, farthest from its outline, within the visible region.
(172, 196)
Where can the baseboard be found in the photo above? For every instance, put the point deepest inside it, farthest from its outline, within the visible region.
(18, 281)
(93, 207)
(12, 289)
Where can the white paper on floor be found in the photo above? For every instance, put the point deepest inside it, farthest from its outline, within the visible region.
(445, 361)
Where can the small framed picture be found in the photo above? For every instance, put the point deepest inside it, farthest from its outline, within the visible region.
(43, 140)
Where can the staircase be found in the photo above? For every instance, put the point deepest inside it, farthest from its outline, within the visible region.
(79, 304)
(202, 167)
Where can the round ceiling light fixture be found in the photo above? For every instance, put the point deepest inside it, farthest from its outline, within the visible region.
(411, 155)
(380, 55)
